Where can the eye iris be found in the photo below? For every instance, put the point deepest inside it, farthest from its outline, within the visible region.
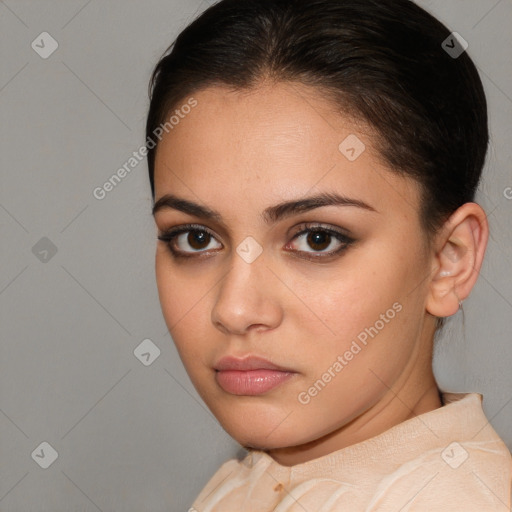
(320, 239)
(197, 238)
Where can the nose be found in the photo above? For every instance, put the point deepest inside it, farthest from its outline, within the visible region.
(247, 298)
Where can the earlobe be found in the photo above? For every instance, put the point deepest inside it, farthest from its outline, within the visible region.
(443, 300)
(459, 255)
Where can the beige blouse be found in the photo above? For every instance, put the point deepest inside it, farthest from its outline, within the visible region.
(448, 459)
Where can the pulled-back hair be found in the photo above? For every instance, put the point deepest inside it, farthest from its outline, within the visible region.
(381, 61)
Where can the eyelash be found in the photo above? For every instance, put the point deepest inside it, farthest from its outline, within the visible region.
(170, 235)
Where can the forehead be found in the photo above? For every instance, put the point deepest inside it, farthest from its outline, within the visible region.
(274, 142)
(258, 124)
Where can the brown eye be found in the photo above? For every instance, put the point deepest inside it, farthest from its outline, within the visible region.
(198, 239)
(315, 242)
(318, 240)
(189, 240)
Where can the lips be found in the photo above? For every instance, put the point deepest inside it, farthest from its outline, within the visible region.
(249, 376)
(247, 363)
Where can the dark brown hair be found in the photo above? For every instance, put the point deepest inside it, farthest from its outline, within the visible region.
(381, 61)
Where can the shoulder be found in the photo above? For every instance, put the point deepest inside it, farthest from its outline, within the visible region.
(469, 476)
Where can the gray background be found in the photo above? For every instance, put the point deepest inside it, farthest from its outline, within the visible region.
(131, 437)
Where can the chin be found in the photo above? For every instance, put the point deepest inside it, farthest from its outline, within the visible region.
(261, 440)
(258, 422)
(261, 435)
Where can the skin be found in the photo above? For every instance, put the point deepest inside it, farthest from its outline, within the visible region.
(240, 152)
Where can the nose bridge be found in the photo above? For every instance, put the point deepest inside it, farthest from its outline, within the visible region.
(245, 295)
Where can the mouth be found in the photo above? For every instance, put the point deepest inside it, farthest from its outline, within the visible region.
(250, 375)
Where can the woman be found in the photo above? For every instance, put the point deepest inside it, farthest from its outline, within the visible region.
(314, 182)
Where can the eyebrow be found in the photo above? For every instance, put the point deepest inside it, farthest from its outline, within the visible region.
(270, 215)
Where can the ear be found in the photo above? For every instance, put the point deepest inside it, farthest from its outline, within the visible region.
(459, 253)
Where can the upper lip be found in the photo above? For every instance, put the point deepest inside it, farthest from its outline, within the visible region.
(247, 363)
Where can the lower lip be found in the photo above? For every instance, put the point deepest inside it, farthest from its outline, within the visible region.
(250, 382)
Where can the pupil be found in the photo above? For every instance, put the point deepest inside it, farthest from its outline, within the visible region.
(197, 238)
(319, 239)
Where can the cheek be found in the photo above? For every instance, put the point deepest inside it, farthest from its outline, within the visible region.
(186, 297)
(364, 310)
(341, 302)
(168, 293)
(183, 299)
(179, 287)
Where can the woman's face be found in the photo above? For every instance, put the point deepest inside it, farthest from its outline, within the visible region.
(338, 309)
